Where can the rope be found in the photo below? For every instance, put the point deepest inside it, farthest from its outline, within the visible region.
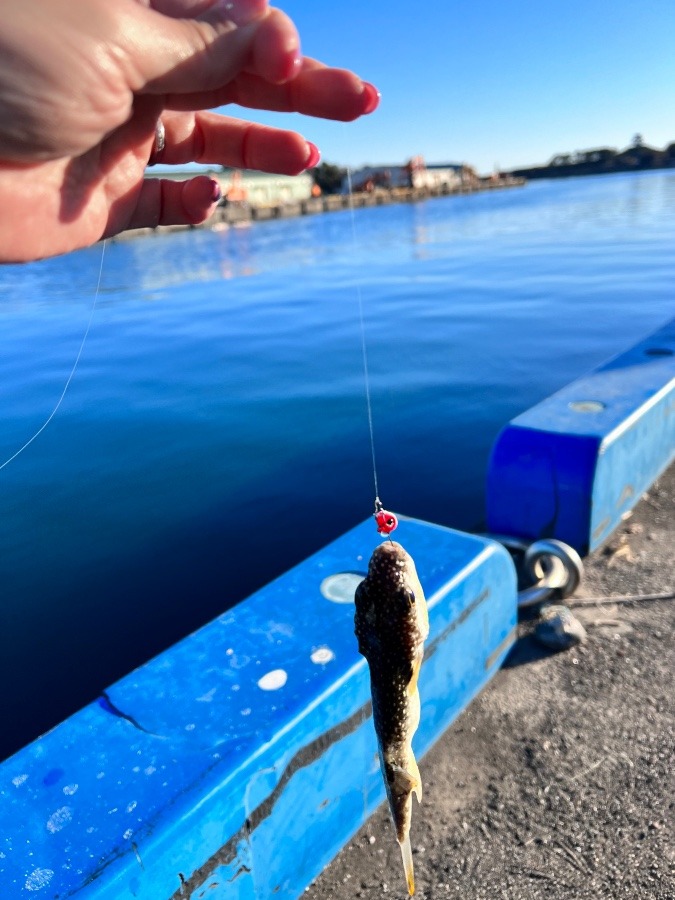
(608, 601)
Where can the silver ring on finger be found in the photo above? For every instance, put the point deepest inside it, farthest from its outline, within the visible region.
(158, 144)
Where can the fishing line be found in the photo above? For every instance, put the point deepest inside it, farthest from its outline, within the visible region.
(72, 371)
(386, 521)
(364, 349)
(371, 431)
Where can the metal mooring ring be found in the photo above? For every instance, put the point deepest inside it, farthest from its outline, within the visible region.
(555, 568)
(539, 561)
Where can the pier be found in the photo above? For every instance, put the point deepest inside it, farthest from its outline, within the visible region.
(233, 214)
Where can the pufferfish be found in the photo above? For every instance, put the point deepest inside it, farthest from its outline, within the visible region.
(391, 623)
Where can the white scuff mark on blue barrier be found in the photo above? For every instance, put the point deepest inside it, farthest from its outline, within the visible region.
(340, 587)
(273, 680)
(38, 879)
(208, 696)
(59, 819)
(322, 655)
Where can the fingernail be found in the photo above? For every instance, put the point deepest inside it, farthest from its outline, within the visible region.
(216, 192)
(372, 97)
(314, 155)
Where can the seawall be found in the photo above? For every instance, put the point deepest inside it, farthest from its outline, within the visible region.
(233, 214)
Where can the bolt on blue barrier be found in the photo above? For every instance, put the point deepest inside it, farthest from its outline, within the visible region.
(575, 464)
(242, 759)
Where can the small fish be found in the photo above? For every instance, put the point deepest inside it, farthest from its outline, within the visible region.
(391, 624)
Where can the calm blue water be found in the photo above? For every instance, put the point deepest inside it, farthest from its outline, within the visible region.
(215, 432)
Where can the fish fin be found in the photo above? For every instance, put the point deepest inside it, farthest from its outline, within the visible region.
(415, 772)
(416, 666)
(403, 782)
(406, 853)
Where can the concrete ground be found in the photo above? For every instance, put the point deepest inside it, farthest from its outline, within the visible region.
(559, 780)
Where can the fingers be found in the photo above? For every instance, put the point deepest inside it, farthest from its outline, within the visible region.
(212, 139)
(207, 62)
(275, 49)
(178, 55)
(165, 202)
(316, 90)
(241, 12)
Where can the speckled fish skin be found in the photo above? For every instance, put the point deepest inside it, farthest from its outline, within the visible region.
(391, 624)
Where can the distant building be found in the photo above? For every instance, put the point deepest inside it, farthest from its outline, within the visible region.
(265, 188)
(438, 175)
(414, 174)
(257, 189)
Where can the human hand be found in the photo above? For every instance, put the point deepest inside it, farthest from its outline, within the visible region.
(82, 86)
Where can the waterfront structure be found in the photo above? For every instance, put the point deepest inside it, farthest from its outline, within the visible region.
(264, 189)
(416, 173)
(258, 190)
(257, 196)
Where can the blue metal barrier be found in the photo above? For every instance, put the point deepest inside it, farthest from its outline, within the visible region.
(238, 762)
(573, 465)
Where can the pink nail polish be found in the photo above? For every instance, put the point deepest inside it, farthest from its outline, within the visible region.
(314, 155)
(371, 96)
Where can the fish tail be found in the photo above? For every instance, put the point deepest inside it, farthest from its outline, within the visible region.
(406, 853)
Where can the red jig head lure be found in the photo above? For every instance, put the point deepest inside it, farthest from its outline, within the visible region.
(386, 521)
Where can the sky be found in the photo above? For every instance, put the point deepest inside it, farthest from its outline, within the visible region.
(488, 83)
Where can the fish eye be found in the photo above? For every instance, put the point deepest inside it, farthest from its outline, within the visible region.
(411, 596)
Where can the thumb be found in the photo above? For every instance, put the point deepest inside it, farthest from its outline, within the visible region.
(168, 55)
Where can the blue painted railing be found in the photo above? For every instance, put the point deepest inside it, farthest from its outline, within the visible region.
(237, 763)
(573, 465)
